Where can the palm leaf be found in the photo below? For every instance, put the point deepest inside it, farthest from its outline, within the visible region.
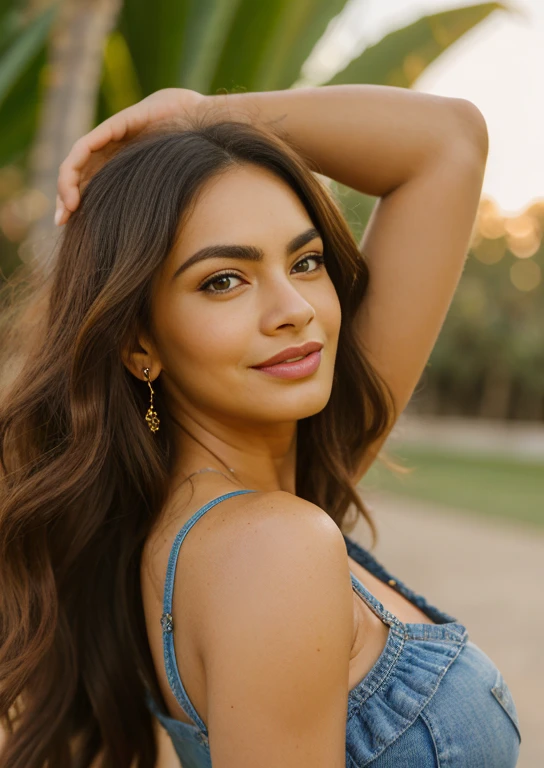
(120, 87)
(155, 36)
(9, 25)
(269, 41)
(27, 44)
(400, 57)
(289, 45)
(207, 28)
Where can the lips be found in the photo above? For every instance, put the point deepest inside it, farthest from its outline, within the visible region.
(290, 352)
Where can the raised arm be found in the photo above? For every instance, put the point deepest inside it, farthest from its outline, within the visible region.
(424, 156)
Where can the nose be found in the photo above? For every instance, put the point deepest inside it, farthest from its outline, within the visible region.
(283, 305)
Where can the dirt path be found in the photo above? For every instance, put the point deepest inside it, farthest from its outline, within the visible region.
(490, 575)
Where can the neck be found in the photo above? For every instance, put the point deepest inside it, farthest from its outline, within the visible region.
(259, 465)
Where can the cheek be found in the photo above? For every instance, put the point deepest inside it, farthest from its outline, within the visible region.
(198, 336)
(329, 312)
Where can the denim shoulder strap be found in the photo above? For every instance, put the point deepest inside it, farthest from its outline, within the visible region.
(167, 621)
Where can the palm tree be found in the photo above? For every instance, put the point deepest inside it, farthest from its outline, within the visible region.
(74, 73)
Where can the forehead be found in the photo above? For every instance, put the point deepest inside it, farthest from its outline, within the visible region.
(245, 204)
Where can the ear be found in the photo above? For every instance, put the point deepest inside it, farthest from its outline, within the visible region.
(140, 353)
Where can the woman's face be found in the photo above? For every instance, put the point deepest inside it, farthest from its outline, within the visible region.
(208, 341)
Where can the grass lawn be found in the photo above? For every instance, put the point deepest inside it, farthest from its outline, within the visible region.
(487, 485)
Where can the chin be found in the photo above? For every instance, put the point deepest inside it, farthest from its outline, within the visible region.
(303, 405)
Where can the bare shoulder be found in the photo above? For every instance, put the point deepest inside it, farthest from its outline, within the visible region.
(277, 635)
(280, 508)
(273, 534)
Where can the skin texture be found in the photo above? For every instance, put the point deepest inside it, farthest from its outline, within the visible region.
(279, 697)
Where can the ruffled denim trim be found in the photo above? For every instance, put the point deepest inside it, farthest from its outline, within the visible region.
(401, 683)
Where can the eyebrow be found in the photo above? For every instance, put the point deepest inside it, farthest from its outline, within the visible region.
(248, 252)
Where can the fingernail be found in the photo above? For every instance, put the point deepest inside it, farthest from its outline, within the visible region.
(58, 215)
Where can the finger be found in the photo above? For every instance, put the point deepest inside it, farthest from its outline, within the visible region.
(70, 169)
(70, 174)
(124, 124)
(59, 210)
(62, 215)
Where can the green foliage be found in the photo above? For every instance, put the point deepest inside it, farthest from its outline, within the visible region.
(269, 42)
(120, 85)
(22, 66)
(20, 44)
(492, 325)
(19, 112)
(401, 57)
(156, 38)
(491, 486)
(209, 26)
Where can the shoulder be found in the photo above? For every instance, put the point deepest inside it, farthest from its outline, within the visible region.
(280, 510)
(278, 617)
(275, 535)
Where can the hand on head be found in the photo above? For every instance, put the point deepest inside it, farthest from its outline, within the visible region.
(90, 152)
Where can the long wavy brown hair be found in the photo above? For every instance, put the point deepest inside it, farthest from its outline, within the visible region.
(82, 478)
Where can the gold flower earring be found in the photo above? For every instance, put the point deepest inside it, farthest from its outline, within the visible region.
(151, 417)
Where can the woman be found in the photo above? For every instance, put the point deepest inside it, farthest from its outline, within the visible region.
(216, 345)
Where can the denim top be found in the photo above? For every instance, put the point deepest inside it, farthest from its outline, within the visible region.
(433, 699)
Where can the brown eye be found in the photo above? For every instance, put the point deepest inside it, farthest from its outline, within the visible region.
(317, 257)
(220, 277)
(225, 278)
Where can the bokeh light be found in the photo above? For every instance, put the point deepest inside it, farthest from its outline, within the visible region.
(526, 275)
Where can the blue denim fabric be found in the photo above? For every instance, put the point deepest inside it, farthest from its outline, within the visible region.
(433, 699)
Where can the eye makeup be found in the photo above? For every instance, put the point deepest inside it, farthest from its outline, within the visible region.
(206, 285)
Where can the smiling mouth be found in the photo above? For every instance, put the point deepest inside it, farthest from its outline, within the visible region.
(309, 346)
(294, 368)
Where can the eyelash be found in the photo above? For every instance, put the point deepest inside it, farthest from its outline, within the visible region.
(318, 257)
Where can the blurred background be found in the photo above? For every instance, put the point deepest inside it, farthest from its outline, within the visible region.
(472, 507)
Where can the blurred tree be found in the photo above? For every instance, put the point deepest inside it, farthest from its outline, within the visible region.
(53, 52)
(70, 92)
(489, 359)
